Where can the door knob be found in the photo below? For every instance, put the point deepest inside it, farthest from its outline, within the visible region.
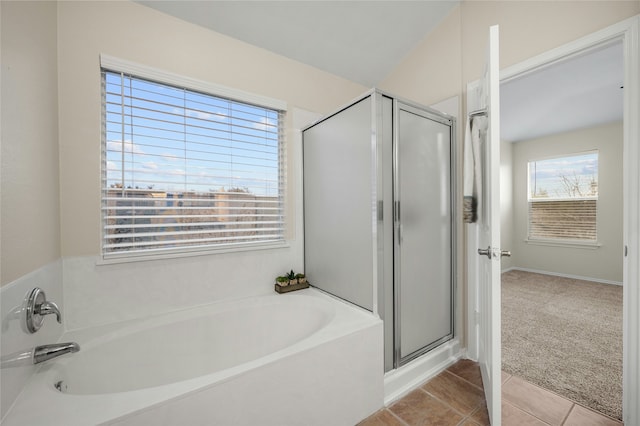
(488, 252)
(485, 252)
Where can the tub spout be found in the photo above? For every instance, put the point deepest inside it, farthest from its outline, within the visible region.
(47, 352)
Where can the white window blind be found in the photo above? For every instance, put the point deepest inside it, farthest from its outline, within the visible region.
(185, 170)
(563, 197)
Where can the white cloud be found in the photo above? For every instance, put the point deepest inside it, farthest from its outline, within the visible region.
(203, 115)
(171, 157)
(199, 114)
(128, 147)
(265, 124)
(150, 165)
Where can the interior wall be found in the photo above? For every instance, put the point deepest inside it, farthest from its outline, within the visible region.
(602, 263)
(529, 28)
(30, 219)
(146, 36)
(154, 39)
(432, 72)
(453, 54)
(506, 202)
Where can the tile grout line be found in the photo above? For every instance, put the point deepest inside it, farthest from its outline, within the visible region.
(397, 417)
(572, 402)
(468, 418)
(484, 402)
(598, 413)
(529, 413)
(477, 409)
(449, 406)
(462, 378)
(568, 414)
(508, 378)
(526, 410)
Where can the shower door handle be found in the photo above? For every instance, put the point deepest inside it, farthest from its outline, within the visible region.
(396, 214)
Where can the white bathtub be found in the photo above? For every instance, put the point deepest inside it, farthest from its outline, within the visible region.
(295, 359)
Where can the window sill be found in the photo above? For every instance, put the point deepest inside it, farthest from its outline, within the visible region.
(145, 257)
(587, 245)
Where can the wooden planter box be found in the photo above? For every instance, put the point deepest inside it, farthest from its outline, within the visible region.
(291, 287)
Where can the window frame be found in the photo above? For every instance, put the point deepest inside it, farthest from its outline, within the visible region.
(117, 65)
(567, 242)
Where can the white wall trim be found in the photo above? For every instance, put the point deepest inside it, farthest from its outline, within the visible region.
(557, 274)
(564, 243)
(631, 220)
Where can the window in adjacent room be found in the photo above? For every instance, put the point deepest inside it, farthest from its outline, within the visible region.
(186, 170)
(563, 198)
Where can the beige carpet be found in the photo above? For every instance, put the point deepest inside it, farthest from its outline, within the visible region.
(564, 335)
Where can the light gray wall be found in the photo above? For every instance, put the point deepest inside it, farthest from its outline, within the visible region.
(602, 263)
(85, 31)
(506, 201)
(30, 225)
(29, 179)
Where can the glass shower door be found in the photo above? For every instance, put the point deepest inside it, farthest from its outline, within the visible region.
(423, 232)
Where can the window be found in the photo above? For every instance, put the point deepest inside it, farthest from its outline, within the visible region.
(563, 197)
(186, 170)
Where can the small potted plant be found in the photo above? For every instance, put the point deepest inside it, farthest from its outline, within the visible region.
(291, 281)
(292, 278)
(282, 281)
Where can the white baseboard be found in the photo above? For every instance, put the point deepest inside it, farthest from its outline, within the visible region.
(399, 382)
(557, 274)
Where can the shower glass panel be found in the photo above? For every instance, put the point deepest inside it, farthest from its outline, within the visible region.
(424, 309)
(337, 157)
(378, 217)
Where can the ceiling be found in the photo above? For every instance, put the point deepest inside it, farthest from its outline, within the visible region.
(582, 91)
(363, 41)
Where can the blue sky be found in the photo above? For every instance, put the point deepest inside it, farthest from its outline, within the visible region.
(180, 140)
(546, 175)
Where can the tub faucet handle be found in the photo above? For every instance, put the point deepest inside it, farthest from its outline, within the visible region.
(47, 308)
(37, 306)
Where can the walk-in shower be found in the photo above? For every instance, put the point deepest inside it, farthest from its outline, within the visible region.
(378, 217)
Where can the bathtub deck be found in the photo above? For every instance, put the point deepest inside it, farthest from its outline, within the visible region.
(344, 357)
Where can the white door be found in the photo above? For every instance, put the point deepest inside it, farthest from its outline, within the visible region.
(484, 238)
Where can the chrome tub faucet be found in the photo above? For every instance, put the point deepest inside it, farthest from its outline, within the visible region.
(47, 352)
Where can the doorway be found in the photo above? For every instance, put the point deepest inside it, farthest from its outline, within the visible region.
(562, 203)
(628, 32)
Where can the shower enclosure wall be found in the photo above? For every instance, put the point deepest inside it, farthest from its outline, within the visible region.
(378, 217)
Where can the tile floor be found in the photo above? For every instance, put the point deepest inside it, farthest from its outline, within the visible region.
(455, 397)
